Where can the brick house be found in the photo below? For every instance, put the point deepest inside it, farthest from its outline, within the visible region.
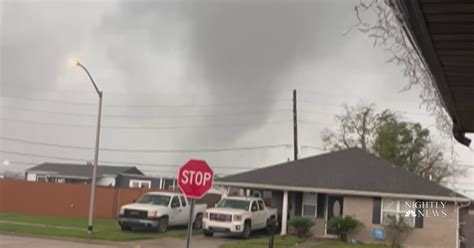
(355, 183)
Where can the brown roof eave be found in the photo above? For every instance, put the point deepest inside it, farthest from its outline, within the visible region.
(421, 39)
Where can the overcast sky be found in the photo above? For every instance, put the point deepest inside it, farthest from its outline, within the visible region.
(189, 75)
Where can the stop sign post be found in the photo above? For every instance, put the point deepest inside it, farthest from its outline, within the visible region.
(195, 178)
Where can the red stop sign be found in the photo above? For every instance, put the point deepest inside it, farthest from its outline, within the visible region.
(195, 178)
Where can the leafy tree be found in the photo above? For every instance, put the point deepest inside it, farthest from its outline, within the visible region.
(401, 142)
(405, 144)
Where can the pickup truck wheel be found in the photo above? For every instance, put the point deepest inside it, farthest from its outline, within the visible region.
(247, 230)
(207, 233)
(163, 225)
(198, 222)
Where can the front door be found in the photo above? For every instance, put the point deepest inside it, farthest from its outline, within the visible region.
(335, 206)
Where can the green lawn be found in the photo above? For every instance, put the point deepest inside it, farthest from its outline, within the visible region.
(292, 241)
(104, 229)
(338, 244)
(279, 242)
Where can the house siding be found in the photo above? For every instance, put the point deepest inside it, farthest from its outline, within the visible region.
(106, 181)
(318, 229)
(123, 181)
(30, 176)
(437, 232)
(169, 184)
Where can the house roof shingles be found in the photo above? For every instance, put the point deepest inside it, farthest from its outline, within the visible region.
(83, 171)
(351, 169)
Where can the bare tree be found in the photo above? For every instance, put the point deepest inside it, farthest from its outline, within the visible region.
(434, 166)
(356, 128)
(405, 144)
(389, 32)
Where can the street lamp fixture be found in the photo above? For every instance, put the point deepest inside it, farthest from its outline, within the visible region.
(76, 62)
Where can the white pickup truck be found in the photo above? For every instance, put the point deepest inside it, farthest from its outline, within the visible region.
(237, 215)
(158, 210)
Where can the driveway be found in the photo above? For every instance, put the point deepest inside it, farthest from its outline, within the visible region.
(16, 241)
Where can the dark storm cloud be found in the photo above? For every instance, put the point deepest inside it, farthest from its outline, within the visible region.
(137, 36)
(244, 49)
(251, 44)
(239, 50)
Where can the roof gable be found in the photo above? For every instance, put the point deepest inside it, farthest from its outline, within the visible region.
(351, 169)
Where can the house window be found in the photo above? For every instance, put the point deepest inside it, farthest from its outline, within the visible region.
(140, 184)
(397, 208)
(310, 203)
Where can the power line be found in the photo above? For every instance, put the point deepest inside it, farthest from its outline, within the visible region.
(165, 116)
(198, 150)
(143, 127)
(48, 112)
(391, 98)
(20, 163)
(49, 100)
(303, 121)
(195, 105)
(341, 106)
(268, 100)
(313, 147)
(42, 156)
(198, 115)
(32, 155)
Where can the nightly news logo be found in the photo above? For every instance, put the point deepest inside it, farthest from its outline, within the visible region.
(426, 209)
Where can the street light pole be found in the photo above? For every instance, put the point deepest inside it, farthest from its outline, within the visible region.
(96, 152)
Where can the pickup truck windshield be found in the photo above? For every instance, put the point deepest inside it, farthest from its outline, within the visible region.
(155, 200)
(232, 203)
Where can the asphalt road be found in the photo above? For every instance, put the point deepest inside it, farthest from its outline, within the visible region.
(16, 241)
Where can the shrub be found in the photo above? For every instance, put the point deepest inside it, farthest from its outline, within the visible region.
(343, 226)
(301, 226)
(396, 229)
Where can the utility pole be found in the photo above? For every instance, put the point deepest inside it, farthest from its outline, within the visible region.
(295, 127)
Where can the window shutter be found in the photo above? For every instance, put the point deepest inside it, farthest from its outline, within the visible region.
(321, 205)
(419, 217)
(298, 203)
(376, 210)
